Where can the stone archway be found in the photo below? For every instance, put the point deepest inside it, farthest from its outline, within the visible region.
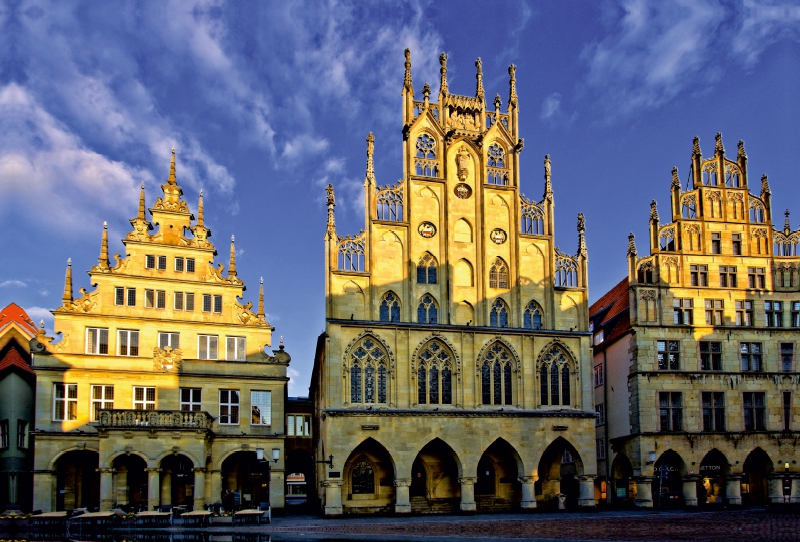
(669, 471)
(757, 467)
(498, 487)
(559, 469)
(77, 480)
(714, 471)
(177, 481)
(299, 480)
(368, 479)
(621, 481)
(247, 478)
(434, 479)
(130, 482)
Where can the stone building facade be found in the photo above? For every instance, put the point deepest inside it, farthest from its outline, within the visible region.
(695, 352)
(455, 369)
(159, 391)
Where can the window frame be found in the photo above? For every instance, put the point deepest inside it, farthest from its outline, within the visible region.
(182, 264)
(161, 263)
(751, 357)
(712, 413)
(600, 409)
(207, 302)
(773, 313)
(681, 308)
(670, 354)
(144, 402)
(756, 414)
(713, 356)
(188, 406)
(103, 403)
(23, 434)
(149, 261)
(674, 423)
(230, 405)
(5, 435)
(95, 350)
(599, 376)
(207, 338)
(715, 312)
(190, 265)
(787, 352)
(217, 304)
(239, 354)
(70, 403)
(745, 312)
(130, 335)
(266, 420)
(170, 335)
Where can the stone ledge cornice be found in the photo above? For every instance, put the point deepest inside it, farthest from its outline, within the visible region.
(343, 412)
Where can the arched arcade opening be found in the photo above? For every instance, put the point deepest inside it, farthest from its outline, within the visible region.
(77, 480)
(434, 479)
(559, 469)
(498, 487)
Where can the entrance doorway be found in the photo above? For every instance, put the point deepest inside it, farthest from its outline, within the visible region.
(130, 483)
(77, 481)
(177, 481)
(247, 478)
(757, 467)
(714, 470)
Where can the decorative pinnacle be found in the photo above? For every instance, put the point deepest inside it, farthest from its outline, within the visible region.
(443, 84)
(200, 221)
(331, 231)
(232, 266)
(741, 153)
(512, 99)
(479, 93)
(171, 179)
(676, 182)
(261, 300)
(407, 85)
(764, 185)
(581, 235)
(140, 214)
(370, 163)
(103, 259)
(497, 103)
(718, 147)
(67, 297)
(786, 227)
(426, 93)
(548, 188)
(41, 324)
(631, 246)
(696, 146)
(653, 212)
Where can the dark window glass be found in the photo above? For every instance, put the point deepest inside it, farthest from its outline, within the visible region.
(363, 479)
(507, 384)
(565, 391)
(433, 378)
(554, 395)
(486, 384)
(369, 384)
(381, 384)
(543, 384)
(355, 384)
(447, 386)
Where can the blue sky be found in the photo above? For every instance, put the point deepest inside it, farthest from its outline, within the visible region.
(268, 102)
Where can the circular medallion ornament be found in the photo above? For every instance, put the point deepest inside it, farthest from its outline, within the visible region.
(427, 230)
(463, 191)
(498, 236)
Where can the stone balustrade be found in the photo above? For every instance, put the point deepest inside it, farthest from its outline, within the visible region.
(170, 419)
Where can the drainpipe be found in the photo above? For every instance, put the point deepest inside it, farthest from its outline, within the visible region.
(605, 427)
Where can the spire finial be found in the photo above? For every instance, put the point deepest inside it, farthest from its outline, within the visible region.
(582, 235)
(654, 213)
(140, 214)
(443, 70)
(787, 229)
(479, 94)
(497, 103)
(426, 94)
(548, 188)
(261, 300)
(200, 219)
(370, 178)
(741, 153)
(764, 186)
(512, 72)
(331, 231)
(676, 182)
(171, 179)
(718, 147)
(66, 299)
(103, 259)
(631, 245)
(232, 266)
(407, 85)
(696, 146)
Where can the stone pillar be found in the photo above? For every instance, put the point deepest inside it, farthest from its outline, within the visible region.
(214, 485)
(166, 487)
(586, 495)
(690, 489)
(333, 497)
(153, 488)
(794, 497)
(44, 493)
(199, 489)
(733, 489)
(644, 491)
(775, 489)
(402, 505)
(468, 494)
(106, 489)
(528, 492)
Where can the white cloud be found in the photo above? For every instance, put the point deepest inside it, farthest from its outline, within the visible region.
(10, 283)
(40, 313)
(551, 105)
(764, 24)
(294, 385)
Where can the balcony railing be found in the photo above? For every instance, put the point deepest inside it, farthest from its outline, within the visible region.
(171, 419)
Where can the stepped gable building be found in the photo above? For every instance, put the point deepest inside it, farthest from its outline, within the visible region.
(455, 369)
(17, 388)
(159, 392)
(695, 353)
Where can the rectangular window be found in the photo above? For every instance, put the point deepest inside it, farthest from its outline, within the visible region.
(713, 411)
(290, 426)
(4, 434)
(162, 262)
(144, 398)
(150, 262)
(190, 399)
(298, 426)
(179, 263)
(601, 414)
(670, 410)
(736, 244)
(235, 349)
(190, 265)
(756, 278)
(127, 342)
(744, 313)
(727, 276)
(161, 299)
(119, 295)
(710, 356)
(22, 434)
(754, 410)
(716, 243)
(598, 375)
(787, 356)
(65, 402)
(173, 340)
(189, 302)
(795, 313)
(102, 399)
(131, 297)
(751, 356)
(218, 303)
(787, 411)
(668, 355)
(96, 340)
(207, 346)
(773, 313)
(206, 302)
(149, 299)
(698, 275)
(601, 448)
(714, 312)
(228, 407)
(260, 408)
(682, 314)
(177, 302)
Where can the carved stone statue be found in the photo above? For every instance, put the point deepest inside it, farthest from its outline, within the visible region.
(462, 162)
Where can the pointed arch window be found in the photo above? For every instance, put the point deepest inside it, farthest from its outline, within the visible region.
(363, 478)
(390, 308)
(368, 372)
(498, 317)
(532, 318)
(426, 269)
(498, 274)
(425, 160)
(496, 171)
(427, 311)
(555, 377)
(435, 375)
(532, 217)
(496, 371)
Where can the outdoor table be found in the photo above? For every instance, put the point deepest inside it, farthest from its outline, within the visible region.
(153, 519)
(49, 518)
(95, 518)
(198, 517)
(249, 517)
